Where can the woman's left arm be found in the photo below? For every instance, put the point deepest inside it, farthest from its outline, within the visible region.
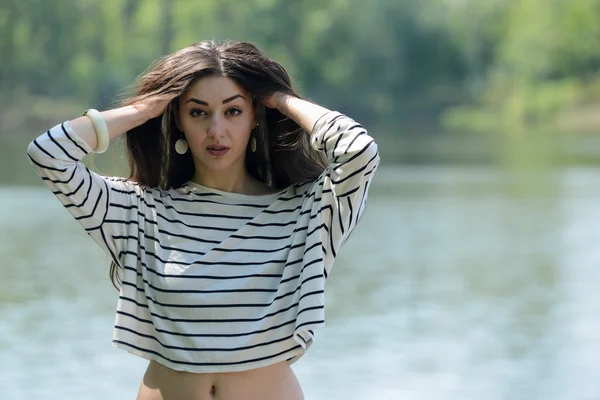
(303, 112)
(353, 159)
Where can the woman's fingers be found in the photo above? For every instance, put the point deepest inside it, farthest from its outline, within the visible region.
(272, 99)
(153, 106)
(276, 100)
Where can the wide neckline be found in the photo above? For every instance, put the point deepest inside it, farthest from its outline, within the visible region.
(206, 189)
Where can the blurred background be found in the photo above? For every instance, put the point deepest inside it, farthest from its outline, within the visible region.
(474, 273)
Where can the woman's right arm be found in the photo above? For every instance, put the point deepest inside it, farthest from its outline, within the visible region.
(118, 121)
(103, 206)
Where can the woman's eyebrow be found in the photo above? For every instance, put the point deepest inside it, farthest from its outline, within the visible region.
(204, 103)
(193, 100)
(227, 100)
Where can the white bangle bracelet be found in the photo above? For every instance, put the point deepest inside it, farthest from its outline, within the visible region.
(101, 129)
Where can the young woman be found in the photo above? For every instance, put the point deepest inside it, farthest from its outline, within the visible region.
(239, 198)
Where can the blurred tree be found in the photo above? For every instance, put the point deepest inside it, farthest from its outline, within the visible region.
(541, 57)
(478, 64)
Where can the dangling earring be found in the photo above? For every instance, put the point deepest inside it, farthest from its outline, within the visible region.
(253, 140)
(181, 145)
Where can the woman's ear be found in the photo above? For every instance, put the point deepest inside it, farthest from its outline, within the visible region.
(259, 114)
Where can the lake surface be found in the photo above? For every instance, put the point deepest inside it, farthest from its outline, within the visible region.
(459, 283)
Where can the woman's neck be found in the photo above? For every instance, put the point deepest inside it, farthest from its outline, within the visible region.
(241, 182)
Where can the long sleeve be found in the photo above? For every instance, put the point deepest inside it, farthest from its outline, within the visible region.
(353, 159)
(92, 199)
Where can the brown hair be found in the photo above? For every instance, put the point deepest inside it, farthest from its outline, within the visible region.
(283, 155)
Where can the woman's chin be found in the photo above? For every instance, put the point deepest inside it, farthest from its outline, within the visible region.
(221, 163)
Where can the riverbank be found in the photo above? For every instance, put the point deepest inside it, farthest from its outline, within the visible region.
(573, 140)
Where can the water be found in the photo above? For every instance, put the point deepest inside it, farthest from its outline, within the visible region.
(460, 283)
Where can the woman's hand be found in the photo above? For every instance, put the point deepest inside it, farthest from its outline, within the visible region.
(303, 112)
(153, 107)
(277, 100)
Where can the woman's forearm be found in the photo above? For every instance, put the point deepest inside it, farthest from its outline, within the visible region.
(303, 112)
(118, 121)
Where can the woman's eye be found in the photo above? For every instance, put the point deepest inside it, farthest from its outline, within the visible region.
(234, 111)
(196, 113)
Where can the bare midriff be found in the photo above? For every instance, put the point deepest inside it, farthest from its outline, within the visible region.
(274, 382)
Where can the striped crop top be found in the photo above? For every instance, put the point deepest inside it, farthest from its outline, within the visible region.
(215, 281)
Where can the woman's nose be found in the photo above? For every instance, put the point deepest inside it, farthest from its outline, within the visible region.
(215, 127)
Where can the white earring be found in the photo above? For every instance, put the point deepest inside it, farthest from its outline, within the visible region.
(181, 146)
(253, 140)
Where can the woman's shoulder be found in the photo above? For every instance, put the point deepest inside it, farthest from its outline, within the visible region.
(128, 185)
(304, 189)
(123, 184)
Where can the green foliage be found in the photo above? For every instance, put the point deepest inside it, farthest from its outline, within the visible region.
(543, 55)
(493, 65)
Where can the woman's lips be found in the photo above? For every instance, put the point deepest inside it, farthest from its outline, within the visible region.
(217, 151)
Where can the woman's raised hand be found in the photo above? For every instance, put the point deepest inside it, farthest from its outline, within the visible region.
(276, 100)
(153, 107)
(303, 112)
(122, 119)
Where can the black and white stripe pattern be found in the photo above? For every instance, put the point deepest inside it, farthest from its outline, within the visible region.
(215, 281)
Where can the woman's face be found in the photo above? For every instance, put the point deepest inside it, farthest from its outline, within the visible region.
(217, 116)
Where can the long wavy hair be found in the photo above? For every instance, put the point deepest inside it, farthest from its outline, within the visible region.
(283, 155)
